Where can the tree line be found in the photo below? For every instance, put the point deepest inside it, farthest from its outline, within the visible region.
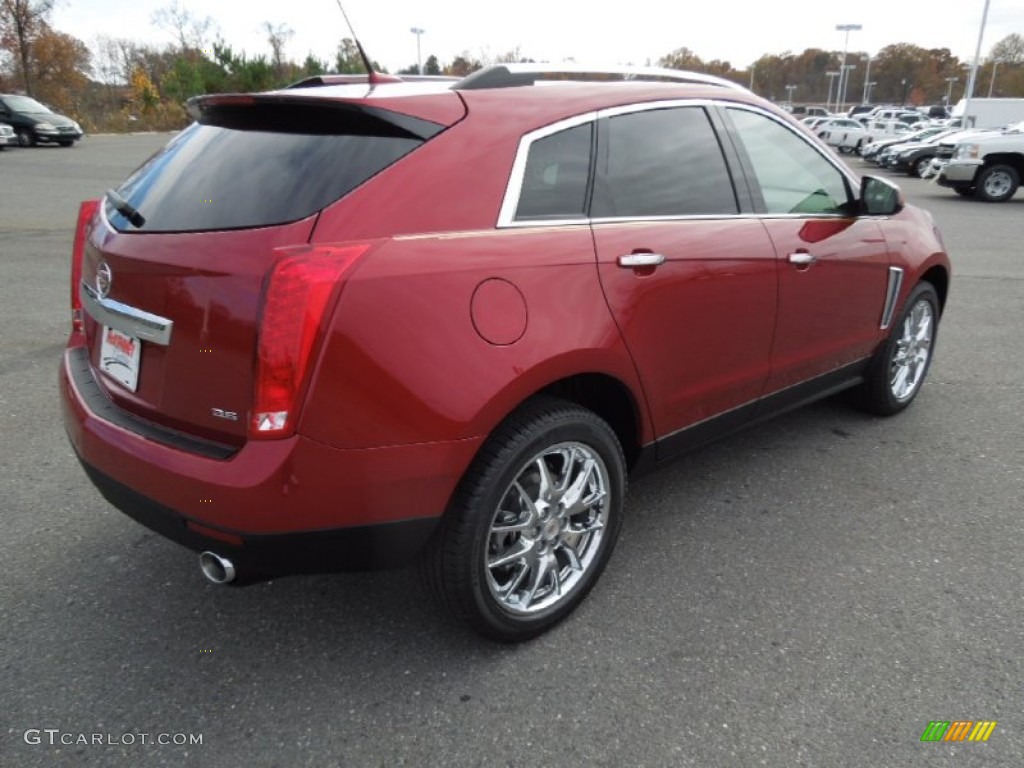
(116, 83)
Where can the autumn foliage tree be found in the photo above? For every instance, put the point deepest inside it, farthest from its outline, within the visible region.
(61, 64)
(21, 24)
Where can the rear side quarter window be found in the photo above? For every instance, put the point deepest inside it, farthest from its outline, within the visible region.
(556, 177)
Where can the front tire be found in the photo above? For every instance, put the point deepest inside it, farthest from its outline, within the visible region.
(26, 138)
(997, 183)
(898, 370)
(532, 524)
(921, 166)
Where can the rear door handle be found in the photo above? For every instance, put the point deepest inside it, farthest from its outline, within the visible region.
(641, 260)
(802, 259)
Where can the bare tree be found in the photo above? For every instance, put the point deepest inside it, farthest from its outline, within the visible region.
(1009, 50)
(278, 35)
(21, 23)
(190, 31)
(115, 58)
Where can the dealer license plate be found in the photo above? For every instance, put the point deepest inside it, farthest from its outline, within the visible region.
(119, 357)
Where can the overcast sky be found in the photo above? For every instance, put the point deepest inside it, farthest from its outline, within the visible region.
(631, 32)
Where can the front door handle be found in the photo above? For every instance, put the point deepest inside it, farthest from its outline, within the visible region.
(641, 260)
(802, 258)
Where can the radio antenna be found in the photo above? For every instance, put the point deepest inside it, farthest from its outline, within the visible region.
(372, 76)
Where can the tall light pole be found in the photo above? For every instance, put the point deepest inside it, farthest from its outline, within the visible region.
(992, 82)
(949, 91)
(870, 84)
(845, 80)
(831, 79)
(847, 28)
(867, 77)
(419, 57)
(974, 68)
(789, 94)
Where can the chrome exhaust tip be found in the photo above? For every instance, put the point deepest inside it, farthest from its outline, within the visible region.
(217, 569)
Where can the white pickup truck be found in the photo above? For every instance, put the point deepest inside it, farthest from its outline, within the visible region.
(987, 165)
(844, 134)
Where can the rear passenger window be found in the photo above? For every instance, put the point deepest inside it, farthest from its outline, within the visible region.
(555, 182)
(661, 162)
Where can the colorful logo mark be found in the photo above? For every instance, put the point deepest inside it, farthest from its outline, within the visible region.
(958, 730)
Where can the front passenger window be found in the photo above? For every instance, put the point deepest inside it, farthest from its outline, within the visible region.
(792, 174)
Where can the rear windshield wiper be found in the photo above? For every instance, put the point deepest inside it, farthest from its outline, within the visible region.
(126, 209)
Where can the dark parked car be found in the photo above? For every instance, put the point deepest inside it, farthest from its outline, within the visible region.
(445, 322)
(34, 122)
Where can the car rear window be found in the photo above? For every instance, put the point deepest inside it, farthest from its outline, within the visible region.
(215, 177)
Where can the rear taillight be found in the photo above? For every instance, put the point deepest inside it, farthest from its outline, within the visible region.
(298, 293)
(86, 211)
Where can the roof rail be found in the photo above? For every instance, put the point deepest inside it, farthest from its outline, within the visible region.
(513, 75)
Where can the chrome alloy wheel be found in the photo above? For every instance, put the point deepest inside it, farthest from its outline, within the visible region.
(547, 529)
(913, 349)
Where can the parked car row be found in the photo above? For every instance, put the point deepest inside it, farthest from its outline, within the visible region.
(987, 164)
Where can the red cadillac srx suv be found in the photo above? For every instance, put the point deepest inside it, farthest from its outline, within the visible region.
(356, 325)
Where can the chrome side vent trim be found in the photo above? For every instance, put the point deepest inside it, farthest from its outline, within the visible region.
(892, 292)
(134, 322)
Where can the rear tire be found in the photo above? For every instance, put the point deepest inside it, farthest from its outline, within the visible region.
(898, 370)
(532, 524)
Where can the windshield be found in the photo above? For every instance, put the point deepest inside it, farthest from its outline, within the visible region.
(25, 104)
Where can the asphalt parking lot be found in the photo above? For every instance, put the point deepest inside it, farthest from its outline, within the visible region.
(809, 593)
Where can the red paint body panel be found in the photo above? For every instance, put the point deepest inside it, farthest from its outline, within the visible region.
(404, 360)
(700, 325)
(829, 312)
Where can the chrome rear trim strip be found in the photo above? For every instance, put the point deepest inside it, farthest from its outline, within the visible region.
(134, 322)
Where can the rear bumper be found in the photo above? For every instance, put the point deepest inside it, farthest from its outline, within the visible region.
(376, 506)
(365, 547)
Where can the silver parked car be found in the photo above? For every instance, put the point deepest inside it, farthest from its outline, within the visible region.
(7, 136)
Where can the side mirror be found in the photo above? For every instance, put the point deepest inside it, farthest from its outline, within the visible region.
(879, 197)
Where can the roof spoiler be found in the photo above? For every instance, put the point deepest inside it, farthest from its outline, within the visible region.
(284, 112)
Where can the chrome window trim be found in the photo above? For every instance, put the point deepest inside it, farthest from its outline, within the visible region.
(506, 216)
(831, 159)
(135, 322)
(892, 292)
